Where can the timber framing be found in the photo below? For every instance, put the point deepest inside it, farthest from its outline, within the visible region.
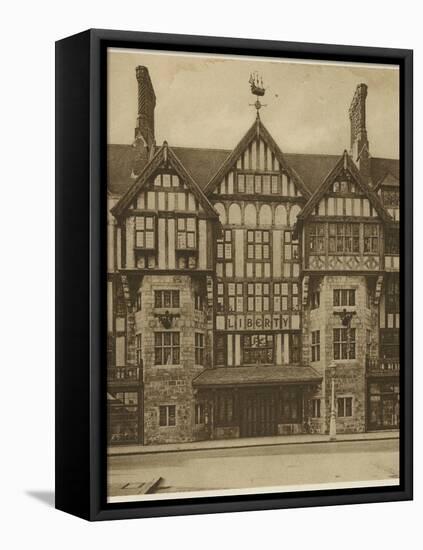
(345, 163)
(256, 131)
(164, 156)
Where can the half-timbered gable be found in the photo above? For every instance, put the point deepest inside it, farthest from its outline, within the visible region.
(343, 223)
(258, 197)
(166, 221)
(257, 168)
(167, 230)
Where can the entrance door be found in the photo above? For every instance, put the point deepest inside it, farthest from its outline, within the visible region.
(258, 413)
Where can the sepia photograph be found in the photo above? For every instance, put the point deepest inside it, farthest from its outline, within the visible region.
(253, 275)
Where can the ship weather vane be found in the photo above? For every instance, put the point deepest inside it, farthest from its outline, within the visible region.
(257, 89)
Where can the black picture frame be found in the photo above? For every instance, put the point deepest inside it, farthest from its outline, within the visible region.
(80, 273)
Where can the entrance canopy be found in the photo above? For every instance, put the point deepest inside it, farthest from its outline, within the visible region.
(248, 376)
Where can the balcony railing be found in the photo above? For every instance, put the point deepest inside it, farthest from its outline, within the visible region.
(125, 375)
(382, 366)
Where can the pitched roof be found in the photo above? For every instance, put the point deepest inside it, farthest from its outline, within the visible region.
(234, 376)
(388, 180)
(202, 164)
(312, 168)
(257, 130)
(379, 168)
(345, 162)
(120, 162)
(167, 155)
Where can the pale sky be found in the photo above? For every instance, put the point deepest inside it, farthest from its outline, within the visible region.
(203, 101)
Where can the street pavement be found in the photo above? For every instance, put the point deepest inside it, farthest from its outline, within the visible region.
(255, 467)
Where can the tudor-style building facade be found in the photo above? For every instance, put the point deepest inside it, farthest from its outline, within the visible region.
(242, 283)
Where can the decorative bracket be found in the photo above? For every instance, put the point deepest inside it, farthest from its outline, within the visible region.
(378, 290)
(126, 291)
(346, 317)
(306, 282)
(166, 318)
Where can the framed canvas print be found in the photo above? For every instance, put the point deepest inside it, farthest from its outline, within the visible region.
(234, 274)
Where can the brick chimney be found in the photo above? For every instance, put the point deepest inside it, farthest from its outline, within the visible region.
(359, 142)
(144, 131)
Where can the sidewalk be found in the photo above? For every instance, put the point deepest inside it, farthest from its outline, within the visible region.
(120, 450)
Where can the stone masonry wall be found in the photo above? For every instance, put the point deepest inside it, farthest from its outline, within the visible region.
(170, 385)
(350, 378)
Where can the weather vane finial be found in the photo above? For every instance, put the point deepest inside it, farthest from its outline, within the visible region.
(257, 88)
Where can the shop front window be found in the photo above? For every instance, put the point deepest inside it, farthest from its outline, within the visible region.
(384, 405)
(224, 409)
(123, 417)
(258, 349)
(290, 406)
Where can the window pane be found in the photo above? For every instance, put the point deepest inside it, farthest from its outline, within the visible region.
(162, 416)
(182, 240)
(172, 419)
(191, 240)
(139, 222)
(139, 239)
(166, 298)
(149, 239)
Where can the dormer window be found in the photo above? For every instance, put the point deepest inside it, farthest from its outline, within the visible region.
(186, 234)
(145, 232)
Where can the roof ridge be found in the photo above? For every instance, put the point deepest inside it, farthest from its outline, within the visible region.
(200, 148)
(229, 150)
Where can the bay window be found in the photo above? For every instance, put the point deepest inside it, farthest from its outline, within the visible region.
(371, 238)
(186, 237)
(145, 232)
(344, 238)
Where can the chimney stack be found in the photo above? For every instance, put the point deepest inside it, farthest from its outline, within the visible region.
(359, 142)
(144, 131)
